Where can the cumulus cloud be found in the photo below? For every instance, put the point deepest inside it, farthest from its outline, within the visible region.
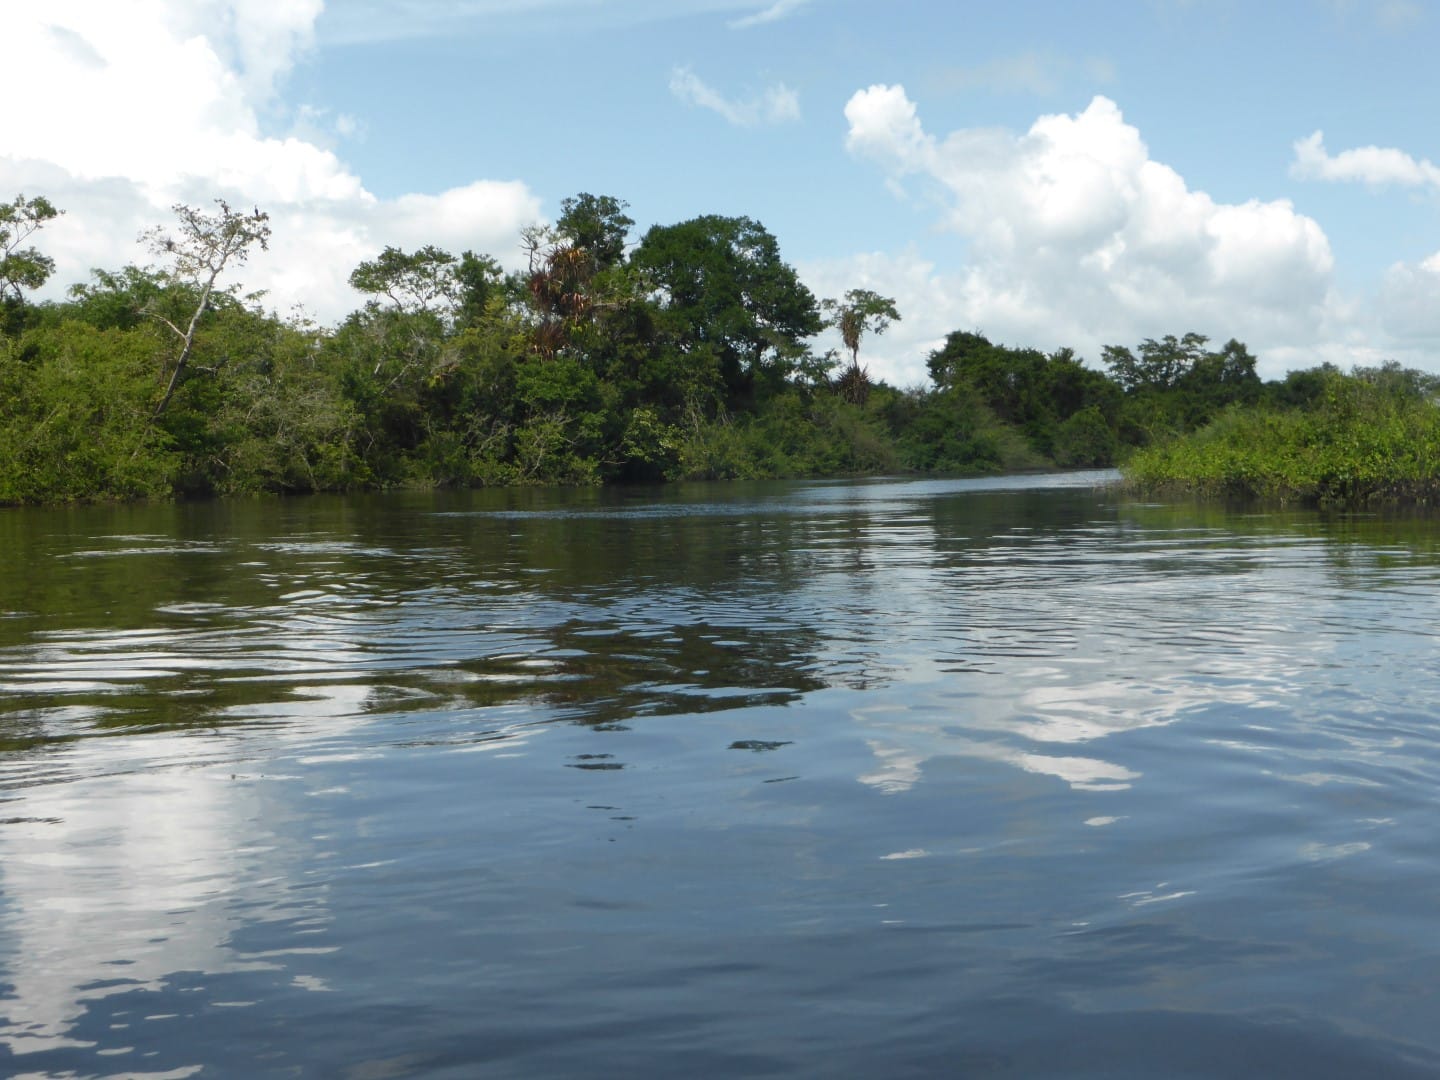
(1075, 236)
(1373, 165)
(777, 104)
(115, 145)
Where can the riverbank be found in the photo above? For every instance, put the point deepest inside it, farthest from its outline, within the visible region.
(1367, 439)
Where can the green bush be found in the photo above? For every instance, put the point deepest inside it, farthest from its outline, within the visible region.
(75, 405)
(1363, 441)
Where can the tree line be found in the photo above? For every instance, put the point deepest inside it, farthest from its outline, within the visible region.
(688, 353)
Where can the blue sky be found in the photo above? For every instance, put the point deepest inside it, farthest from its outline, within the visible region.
(1049, 173)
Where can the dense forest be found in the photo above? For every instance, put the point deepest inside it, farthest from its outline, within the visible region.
(689, 353)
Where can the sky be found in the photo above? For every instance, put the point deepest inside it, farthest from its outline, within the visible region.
(1045, 172)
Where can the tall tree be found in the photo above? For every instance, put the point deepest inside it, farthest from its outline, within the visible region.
(861, 312)
(729, 296)
(422, 280)
(951, 364)
(1161, 364)
(598, 225)
(199, 250)
(479, 279)
(23, 268)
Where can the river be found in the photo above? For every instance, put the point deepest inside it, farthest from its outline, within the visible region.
(1009, 777)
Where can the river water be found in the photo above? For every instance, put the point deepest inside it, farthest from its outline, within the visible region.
(889, 778)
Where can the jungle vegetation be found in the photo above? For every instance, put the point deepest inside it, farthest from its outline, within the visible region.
(686, 353)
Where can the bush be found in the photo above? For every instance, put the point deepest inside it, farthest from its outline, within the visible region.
(1364, 441)
(75, 405)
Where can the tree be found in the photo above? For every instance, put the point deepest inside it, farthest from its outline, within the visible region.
(949, 365)
(199, 251)
(1072, 387)
(1037, 393)
(1217, 379)
(860, 312)
(478, 279)
(729, 299)
(122, 299)
(424, 280)
(23, 268)
(1012, 382)
(598, 225)
(1161, 364)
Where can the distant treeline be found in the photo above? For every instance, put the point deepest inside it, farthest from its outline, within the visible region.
(688, 354)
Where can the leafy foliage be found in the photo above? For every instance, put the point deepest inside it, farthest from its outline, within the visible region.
(74, 417)
(727, 298)
(23, 268)
(1366, 437)
(689, 355)
(423, 280)
(597, 225)
(1035, 393)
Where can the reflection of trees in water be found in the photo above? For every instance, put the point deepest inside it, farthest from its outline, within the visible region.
(607, 674)
(602, 606)
(1370, 549)
(207, 616)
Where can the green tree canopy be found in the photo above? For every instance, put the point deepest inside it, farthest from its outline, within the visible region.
(23, 268)
(726, 291)
(1160, 365)
(598, 225)
(422, 280)
(479, 279)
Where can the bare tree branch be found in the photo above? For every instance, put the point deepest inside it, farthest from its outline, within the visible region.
(200, 251)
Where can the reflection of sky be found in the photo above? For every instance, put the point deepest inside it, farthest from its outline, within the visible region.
(130, 860)
(140, 858)
(1023, 643)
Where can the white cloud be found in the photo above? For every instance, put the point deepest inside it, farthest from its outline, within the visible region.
(778, 10)
(259, 39)
(1373, 165)
(323, 127)
(1075, 236)
(777, 104)
(1405, 317)
(115, 145)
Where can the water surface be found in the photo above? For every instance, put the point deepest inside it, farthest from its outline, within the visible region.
(893, 778)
